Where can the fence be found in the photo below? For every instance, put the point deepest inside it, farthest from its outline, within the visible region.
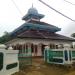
(59, 56)
(9, 63)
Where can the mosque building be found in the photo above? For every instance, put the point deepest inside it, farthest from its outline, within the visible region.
(35, 35)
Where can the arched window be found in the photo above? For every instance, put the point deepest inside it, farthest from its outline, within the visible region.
(32, 48)
(35, 48)
(20, 48)
(56, 46)
(61, 46)
(26, 48)
(52, 46)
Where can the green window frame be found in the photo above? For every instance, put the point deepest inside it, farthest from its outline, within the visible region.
(10, 66)
(1, 61)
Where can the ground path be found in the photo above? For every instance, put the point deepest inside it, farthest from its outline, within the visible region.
(40, 68)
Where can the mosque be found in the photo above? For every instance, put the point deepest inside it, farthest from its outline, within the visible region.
(35, 35)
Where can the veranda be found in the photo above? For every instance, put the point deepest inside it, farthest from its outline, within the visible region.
(62, 55)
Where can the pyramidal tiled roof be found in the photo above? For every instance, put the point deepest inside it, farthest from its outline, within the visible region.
(37, 26)
(44, 35)
(37, 29)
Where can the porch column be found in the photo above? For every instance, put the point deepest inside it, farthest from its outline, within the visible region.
(35, 50)
(29, 48)
(39, 52)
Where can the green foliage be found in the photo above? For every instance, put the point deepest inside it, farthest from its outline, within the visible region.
(5, 38)
(73, 35)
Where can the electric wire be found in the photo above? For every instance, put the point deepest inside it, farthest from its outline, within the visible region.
(17, 7)
(69, 2)
(57, 11)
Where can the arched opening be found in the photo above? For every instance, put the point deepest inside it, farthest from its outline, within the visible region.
(42, 49)
(32, 48)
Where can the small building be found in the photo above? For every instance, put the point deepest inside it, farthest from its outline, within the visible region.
(35, 35)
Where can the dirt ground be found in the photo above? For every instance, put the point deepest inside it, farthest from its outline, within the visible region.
(38, 67)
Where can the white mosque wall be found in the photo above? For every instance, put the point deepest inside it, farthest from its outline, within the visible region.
(37, 41)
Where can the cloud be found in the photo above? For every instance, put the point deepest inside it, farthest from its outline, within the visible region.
(68, 29)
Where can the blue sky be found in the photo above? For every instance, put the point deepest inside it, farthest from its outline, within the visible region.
(10, 17)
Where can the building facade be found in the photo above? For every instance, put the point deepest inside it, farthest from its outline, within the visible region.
(35, 35)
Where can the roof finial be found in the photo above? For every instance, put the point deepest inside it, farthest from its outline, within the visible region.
(32, 5)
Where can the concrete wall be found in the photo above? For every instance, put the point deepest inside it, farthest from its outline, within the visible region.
(8, 61)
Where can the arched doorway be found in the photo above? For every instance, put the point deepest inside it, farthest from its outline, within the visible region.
(34, 49)
(42, 48)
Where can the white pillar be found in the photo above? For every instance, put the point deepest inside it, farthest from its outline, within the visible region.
(39, 52)
(67, 48)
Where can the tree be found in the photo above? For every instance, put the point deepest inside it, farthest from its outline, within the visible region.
(73, 35)
(5, 38)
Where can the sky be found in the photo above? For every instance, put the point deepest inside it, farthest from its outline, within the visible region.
(11, 17)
